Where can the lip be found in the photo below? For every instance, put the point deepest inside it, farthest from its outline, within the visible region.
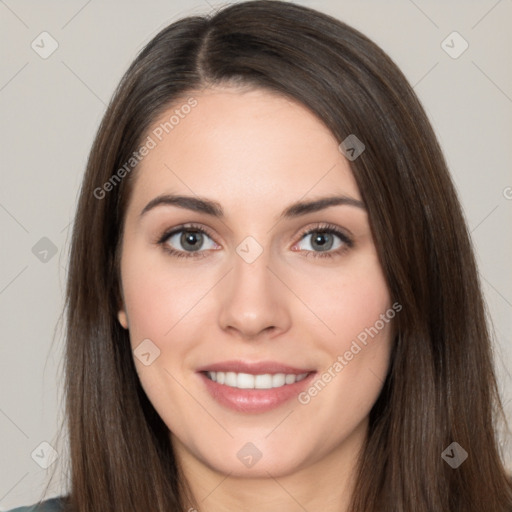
(253, 367)
(254, 400)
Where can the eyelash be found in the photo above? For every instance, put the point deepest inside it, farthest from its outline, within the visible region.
(323, 228)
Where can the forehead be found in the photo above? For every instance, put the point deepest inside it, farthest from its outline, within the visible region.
(244, 148)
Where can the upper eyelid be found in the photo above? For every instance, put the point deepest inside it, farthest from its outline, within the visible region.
(190, 227)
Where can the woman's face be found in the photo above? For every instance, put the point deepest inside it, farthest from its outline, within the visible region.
(232, 271)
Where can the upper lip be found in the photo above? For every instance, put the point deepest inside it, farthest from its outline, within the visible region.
(253, 367)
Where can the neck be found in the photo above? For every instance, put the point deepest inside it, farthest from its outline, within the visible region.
(326, 484)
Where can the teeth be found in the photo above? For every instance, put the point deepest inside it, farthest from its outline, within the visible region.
(230, 379)
(245, 381)
(263, 381)
(289, 379)
(278, 380)
(249, 381)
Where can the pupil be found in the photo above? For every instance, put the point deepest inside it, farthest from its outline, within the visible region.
(320, 239)
(191, 240)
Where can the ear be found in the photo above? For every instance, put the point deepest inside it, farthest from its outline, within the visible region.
(123, 318)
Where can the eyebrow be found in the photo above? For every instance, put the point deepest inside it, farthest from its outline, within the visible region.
(214, 208)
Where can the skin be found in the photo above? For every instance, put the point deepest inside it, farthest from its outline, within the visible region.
(255, 153)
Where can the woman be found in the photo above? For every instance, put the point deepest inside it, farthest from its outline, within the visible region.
(272, 299)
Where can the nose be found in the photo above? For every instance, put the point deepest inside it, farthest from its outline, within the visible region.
(253, 301)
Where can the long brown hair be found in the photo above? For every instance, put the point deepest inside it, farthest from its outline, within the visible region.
(441, 385)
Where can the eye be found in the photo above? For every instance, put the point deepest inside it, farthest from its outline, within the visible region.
(326, 241)
(192, 241)
(187, 241)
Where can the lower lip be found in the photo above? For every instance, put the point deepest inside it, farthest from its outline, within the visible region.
(254, 400)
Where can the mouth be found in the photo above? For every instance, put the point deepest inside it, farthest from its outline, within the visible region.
(254, 386)
(259, 381)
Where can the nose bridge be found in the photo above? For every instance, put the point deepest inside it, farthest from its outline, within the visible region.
(253, 300)
(251, 268)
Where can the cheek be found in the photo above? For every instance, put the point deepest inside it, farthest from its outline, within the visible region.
(357, 333)
(159, 306)
(156, 299)
(348, 303)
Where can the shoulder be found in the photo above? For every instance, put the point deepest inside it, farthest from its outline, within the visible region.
(52, 505)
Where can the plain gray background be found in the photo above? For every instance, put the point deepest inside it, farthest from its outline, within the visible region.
(51, 108)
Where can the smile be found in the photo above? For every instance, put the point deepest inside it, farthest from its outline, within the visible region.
(250, 381)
